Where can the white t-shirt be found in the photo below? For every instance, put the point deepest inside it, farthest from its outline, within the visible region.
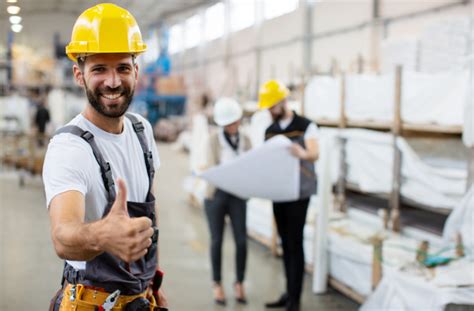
(311, 131)
(71, 165)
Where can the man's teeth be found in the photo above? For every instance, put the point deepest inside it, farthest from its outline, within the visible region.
(111, 96)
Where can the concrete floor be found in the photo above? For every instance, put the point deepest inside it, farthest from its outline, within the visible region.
(30, 272)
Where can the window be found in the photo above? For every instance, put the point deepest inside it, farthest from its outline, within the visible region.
(176, 39)
(214, 17)
(275, 8)
(192, 31)
(242, 14)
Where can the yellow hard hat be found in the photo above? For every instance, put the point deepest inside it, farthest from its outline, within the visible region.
(105, 28)
(271, 93)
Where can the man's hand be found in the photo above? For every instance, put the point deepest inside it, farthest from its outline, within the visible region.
(298, 151)
(309, 153)
(161, 299)
(125, 237)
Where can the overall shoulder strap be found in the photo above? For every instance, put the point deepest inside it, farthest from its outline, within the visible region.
(105, 170)
(139, 129)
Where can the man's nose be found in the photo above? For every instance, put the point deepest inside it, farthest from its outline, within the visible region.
(112, 80)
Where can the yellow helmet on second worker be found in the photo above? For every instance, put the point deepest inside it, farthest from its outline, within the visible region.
(271, 93)
(105, 28)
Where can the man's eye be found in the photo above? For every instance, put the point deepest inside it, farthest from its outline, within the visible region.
(98, 69)
(124, 69)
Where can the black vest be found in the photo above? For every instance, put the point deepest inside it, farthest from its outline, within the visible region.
(295, 132)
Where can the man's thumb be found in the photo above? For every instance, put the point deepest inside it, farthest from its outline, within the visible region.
(120, 204)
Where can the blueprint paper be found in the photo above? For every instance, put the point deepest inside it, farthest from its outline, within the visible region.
(268, 172)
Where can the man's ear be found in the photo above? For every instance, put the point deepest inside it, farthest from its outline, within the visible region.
(78, 75)
(136, 72)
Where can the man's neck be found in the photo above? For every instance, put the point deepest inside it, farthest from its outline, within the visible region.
(111, 125)
(289, 114)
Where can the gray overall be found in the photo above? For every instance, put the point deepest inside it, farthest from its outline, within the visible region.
(107, 271)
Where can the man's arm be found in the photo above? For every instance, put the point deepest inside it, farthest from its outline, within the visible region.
(117, 233)
(309, 153)
(72, 238)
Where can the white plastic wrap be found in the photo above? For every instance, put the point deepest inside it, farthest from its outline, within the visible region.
(438, 98)
(64, 106)
(370, 97)
(399, 52)
(199, 142)
(434, 98)
(405, 292)
(198, 157)
(369, 156)
(443, 45)
(17, 107)
(260, 217)
(468, 128)
(350, 260)
(322, 98)
(461, 220)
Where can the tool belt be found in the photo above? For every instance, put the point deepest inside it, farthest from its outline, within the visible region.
(84, 298)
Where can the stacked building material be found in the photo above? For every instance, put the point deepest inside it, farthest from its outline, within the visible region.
(445, 45)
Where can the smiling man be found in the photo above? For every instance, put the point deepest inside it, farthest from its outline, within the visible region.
(98, 176)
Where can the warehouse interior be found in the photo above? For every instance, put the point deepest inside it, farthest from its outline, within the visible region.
(389, 84)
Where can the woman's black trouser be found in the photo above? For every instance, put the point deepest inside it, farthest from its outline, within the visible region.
(290, 219)
(217, 208)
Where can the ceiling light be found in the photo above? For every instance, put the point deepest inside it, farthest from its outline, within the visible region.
(15, 19)
(12, 1)
(17, 27)
(13, 9)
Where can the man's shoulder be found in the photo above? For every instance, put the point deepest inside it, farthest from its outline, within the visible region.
(69, 143)
(139, 117)
(301, 123)
(130, 116)
(271, 127)
(65, 136)
(302, 119)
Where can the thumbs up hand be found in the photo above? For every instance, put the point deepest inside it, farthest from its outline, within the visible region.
(125, 237)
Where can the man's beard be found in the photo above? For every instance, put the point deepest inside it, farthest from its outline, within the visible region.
(95, 100)
(279, 116)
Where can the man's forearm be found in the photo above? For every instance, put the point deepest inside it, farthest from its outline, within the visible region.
(311, 156)
(77, 241)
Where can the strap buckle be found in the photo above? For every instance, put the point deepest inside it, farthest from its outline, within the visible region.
(138, 127)
(149, 163)
(107, 175)
(88, 136)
